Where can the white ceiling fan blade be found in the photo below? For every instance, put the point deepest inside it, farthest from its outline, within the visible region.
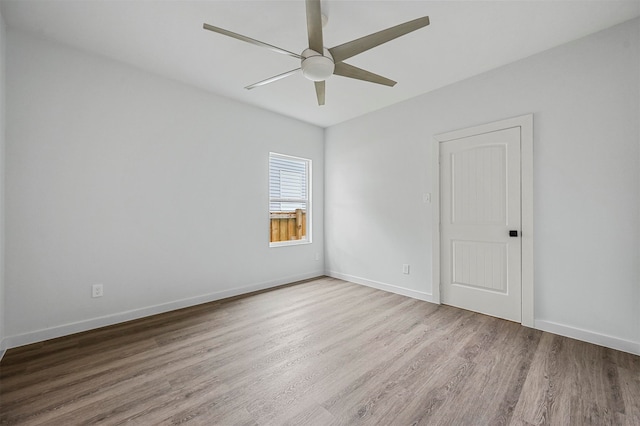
(346, 70)
(249, 40)
(314, 26)
(352, 48)
(272, 79)
(320, 87)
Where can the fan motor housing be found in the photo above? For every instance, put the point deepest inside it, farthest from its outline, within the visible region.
(316, 66)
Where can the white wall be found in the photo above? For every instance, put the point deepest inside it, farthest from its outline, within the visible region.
(152, 188)
(120, 177)
(585, 97)
(2, 168)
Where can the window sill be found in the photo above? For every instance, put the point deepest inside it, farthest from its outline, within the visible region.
(289, 243)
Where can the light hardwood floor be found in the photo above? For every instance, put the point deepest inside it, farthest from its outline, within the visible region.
(322, 352)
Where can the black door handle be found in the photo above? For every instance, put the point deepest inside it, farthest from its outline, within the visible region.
(513, 233)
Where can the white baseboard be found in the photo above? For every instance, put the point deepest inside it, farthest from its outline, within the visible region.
(549, 326)
(589, 336)
(427, 297)
(93, 323)
(50, 333)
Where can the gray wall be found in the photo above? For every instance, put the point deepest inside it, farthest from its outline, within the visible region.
(152, 188)
(585, 99)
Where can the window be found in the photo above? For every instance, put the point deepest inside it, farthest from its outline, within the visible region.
(289, 200)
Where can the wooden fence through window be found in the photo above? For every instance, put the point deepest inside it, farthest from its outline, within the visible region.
(286, 226)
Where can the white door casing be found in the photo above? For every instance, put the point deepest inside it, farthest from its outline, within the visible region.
(484, 189)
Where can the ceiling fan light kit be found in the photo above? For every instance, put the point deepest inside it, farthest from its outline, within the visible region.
(319, 63)
(316, 66)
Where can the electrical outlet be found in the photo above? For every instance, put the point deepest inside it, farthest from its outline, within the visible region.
(405, 268)
(317, 256)
(96, 290)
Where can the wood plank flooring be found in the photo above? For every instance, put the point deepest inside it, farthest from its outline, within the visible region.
(321, 352)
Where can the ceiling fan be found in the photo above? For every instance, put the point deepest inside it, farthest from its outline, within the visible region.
(319, 63)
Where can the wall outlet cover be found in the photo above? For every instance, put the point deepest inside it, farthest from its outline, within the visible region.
(97, 290)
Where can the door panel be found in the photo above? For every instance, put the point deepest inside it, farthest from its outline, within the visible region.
(480, 264)
(480, 204)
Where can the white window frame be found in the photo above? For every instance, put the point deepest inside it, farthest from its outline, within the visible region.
(307, 202)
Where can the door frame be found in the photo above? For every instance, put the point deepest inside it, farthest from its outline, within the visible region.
(525, 123)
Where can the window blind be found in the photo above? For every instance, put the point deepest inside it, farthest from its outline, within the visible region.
(287, 183)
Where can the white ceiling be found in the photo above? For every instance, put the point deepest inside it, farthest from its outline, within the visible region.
(465, 38)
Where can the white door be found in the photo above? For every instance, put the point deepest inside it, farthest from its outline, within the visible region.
(480, 250)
